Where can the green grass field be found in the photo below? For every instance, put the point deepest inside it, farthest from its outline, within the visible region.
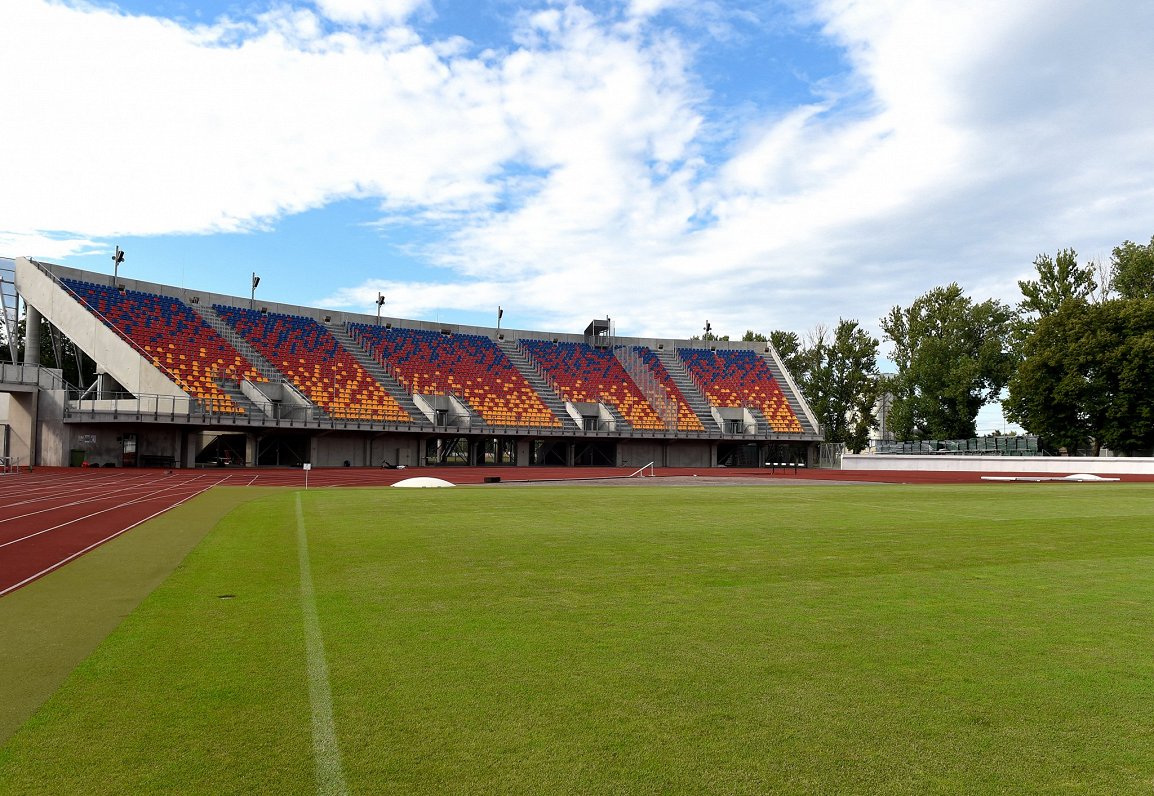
(840, 640)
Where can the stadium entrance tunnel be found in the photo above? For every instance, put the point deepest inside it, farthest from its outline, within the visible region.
(570, 453)
(282, 450)
(471, 451)
(224, 450)
(447, 451)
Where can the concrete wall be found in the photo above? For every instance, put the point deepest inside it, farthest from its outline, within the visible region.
(16, 410)
(333, 450)
(996, 465)
(638, 453)
(361, 450)
(123, 362)
(690, 454)
(52, 434)
(105, 444)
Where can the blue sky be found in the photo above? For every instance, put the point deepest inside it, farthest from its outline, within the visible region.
(761, 165)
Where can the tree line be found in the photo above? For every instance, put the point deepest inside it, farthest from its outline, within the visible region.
(1072, 361)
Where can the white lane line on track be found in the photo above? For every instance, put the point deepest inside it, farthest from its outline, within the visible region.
(100, 489)
(102, 496)
(110, 537)
(326, 750)
(146, 499)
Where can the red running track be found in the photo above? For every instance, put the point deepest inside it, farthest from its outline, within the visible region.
(51, 516)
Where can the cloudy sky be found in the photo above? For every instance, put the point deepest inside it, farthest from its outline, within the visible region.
(761, 165)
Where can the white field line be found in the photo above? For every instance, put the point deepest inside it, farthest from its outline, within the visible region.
(108, 538)
(144, 499)
(326, 751)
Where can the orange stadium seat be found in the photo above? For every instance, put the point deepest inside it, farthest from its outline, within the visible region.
(312, 359)
(584, 374)
(472, 367)
(174, 339)
(741, 378)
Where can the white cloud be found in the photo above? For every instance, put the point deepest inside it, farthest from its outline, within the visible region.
(575, 172)
(136, 125)
(370, 12)
(47, 247)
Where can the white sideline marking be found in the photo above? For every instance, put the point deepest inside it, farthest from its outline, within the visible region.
(326, 750)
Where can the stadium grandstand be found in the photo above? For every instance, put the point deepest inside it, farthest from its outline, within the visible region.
(187, 378)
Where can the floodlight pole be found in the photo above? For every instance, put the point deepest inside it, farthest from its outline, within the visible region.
(380, 303)
(500, 312)
(117, 259)
(252, 295)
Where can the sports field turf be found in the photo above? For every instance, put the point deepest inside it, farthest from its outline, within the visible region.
(850, 639)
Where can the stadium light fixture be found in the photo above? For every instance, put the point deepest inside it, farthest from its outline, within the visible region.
(380, 303)
(117, 259)
(500, 314)
(252, 295)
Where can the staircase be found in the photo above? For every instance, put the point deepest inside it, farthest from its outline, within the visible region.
(619, 421)
(548, 396)
(676, 369)
(763, 429)
(378, 372)
(262, 365)
(790, 397)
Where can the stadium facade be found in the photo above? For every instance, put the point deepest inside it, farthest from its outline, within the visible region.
(187, 377)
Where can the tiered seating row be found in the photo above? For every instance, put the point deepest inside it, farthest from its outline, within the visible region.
(473, 367)
(686, 419)
(312, 359)
(585, 374)
(740, 378)
(178, 341)
(470, 366)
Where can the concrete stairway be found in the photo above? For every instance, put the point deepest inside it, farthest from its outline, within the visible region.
(693, 396)
(794, 403)
(262, 365)
(525, 367)
(374, 369)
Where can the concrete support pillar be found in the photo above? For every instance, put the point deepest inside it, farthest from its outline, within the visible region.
(32, 336)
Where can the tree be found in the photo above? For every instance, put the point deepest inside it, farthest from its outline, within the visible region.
(1054, 392)
(838, 376)
(840, 382)
(1132, 268)
(56, 351)
(1060, 279)
(788, 347)
(953, 357)
(1085, 376)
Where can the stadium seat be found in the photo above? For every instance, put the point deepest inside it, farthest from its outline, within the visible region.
(469, 366)
(313, 360)
(740, 378)
(173, 338)
(584, 374)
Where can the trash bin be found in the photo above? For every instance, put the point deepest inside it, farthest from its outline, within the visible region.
(76, 458)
